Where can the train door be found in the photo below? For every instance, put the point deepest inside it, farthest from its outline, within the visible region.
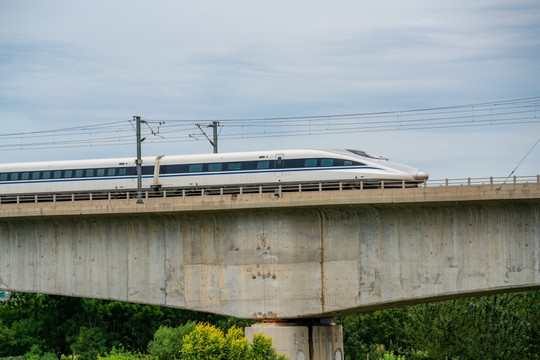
(278, 165)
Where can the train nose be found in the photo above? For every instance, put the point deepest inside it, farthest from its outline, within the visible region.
(421, 175)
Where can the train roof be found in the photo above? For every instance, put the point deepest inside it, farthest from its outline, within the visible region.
(150, 160)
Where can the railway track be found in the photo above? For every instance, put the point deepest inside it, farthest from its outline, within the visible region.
(276, 189)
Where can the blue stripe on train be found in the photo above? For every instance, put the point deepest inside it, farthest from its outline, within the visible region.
(240, 172)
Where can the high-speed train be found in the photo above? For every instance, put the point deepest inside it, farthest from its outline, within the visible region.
(208, 170)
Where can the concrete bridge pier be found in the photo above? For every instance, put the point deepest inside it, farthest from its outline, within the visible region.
(306, 339)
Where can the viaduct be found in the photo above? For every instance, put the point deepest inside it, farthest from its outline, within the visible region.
(285, 255)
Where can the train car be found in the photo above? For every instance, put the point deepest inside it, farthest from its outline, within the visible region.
(206, 170)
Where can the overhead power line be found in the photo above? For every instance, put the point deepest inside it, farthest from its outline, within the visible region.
(68, 129)
(513, 171)
(506, 112)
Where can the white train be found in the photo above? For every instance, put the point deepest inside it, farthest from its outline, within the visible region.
(207, 171)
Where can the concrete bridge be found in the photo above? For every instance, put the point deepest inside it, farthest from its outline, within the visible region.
(283, 255)
(279, 256)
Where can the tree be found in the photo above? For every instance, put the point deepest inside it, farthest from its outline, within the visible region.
(89, 343)
(492, 327)
(6, 339)
(35, 353)
(374, 333)
(262, 349)
(121, 354)
(54, 323)
(236, 346)
(485, 327)
(207, 342)
(495, 330)
(167, 342)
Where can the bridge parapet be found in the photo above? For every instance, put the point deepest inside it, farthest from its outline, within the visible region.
(440, 191)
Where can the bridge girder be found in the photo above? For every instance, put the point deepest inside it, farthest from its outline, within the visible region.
(279, 262)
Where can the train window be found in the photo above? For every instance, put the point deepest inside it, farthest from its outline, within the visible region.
(68, 173)
(79, 173)
(195, 167)
(46, 175)
(100, 172)
(3, 176)
(293, 163)
(248, 165)
(35, 175)
(234, 166)
(57, 174)
(263, 164)
(111, 171)
(90, 172)
(176, 169)
(327, 162)
(310, 162)
(215, 167)
(122, 171)
(347, 162)
(25, 176)
(147, 170)
(14, 176)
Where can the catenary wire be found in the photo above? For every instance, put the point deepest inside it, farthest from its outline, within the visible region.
(506, 112)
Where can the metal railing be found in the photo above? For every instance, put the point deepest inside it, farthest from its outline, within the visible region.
(484, 181)
(277, 189)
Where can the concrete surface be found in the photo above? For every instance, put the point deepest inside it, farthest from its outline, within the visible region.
(302, 342)
(266, 257)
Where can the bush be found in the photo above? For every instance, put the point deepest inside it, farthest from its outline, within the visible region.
(168, 341)
(35, 353)
(121, 354)
(207, 342)
(390, 356)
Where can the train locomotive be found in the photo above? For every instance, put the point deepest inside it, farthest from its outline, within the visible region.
(205, 171)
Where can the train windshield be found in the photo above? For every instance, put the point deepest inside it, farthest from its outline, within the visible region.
(365, 154)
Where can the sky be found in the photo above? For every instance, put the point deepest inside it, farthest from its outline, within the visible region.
(71, 63)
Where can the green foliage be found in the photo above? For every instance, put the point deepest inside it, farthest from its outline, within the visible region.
(7, 338)
(43, 326)
(491, 327)
(167, 342)
(26, 334)
(236, 346)
(262, 349)
(531, 302)
(207, 342)
(372, 333)
(35, 353)
(122, 354)
(433, 327)
(480, 328)
(89, 343)
(61, 324)
(391, 356)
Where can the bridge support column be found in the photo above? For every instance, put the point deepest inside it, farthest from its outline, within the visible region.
(313, 339)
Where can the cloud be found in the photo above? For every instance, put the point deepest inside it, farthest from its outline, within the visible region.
(64, 62)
